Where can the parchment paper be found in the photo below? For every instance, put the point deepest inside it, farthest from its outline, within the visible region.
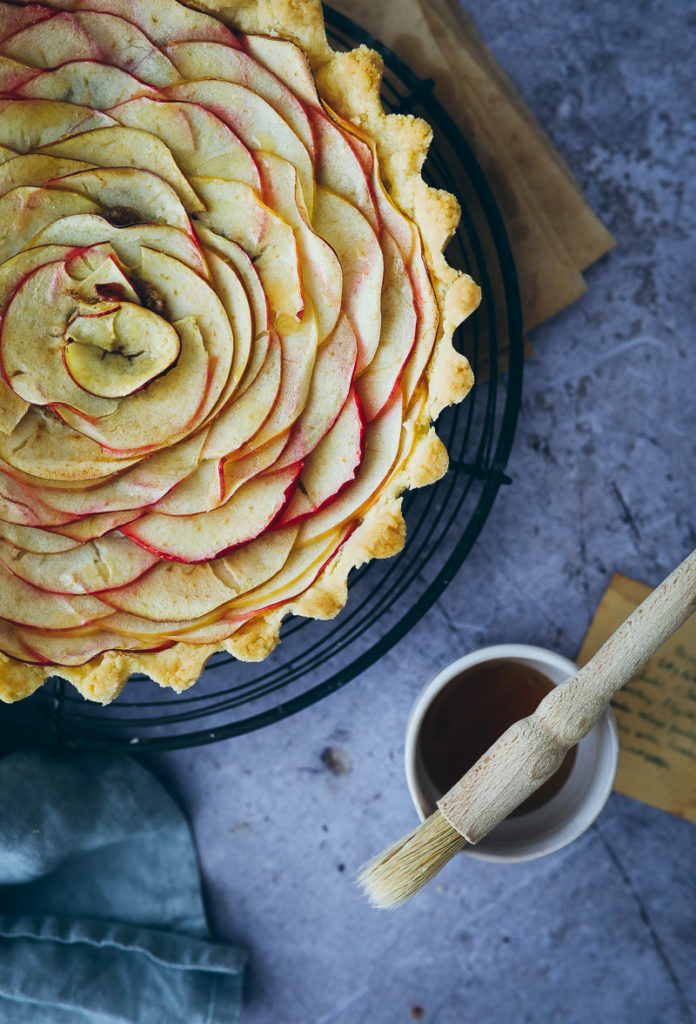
(655, 711)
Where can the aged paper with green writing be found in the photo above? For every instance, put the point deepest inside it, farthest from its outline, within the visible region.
(655, 711)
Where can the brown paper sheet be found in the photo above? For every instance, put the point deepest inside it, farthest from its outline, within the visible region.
(655, 711)
(553, 233)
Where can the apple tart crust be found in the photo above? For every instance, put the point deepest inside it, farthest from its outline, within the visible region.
(226, 332)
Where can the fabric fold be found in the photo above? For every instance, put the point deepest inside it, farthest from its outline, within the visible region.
(101, 912)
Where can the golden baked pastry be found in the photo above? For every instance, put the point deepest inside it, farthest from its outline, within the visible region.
(226, 331)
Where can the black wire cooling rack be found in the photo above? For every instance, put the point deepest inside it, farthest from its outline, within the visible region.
(443, 521)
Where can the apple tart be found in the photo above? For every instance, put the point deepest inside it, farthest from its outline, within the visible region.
(226, 325)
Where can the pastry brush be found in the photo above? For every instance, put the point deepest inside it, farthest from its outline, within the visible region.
(531, 750)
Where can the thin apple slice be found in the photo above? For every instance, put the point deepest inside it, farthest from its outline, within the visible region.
(401, 242)
(330, 467)
(231, 293)
(288, 63)
(14, 19)
(256, 122)
(127, 242)
(118, 146)
(18, 267)
(85, 569)
(24, 604)
(236, 471)
(261, 346)
(428, 323)
(301, 569)
(256, 562)
(236, 212)
(199, 538)
(390, 216)
(29, 209)
(71, 648)
(40, 542)
(137, 487)
(95, 268)
(353, 239)
(166, 21)
(25, 125)
(339, 169)
(199, 141)
(33, 169)
(212, 632)
(381, 446)
(125, 192)
(255, 303)
(161, 413)
(125, 46)
(244, 416)
(299, 349)
(20, 506)
(14, 76)
(214, 481)
(202, 490)
(378, 382)
(391, 219)
(12, 408)
(331, 382)
(87, 82)
(42, 447)
(12, 646)
(222, 63)
(172, 591)
(184, 294)
(96, 525)
(150, 631)
(246, 271)
(50, 41)
(403, 233)
(322, 275)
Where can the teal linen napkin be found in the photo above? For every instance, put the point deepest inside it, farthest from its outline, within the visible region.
(101, 913)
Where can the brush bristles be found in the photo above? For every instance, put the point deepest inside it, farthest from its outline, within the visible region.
(400, 871)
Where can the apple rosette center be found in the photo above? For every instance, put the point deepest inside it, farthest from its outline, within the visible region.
(215, 340)
(114, 349)
(62, 344)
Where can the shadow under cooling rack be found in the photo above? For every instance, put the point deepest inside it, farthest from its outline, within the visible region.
(385, 597)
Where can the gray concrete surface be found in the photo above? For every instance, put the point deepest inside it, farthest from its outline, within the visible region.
(604, 470)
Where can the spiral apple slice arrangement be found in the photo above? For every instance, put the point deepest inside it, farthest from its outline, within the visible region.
(222, 344)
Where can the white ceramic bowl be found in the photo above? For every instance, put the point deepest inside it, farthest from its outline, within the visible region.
(563, 817)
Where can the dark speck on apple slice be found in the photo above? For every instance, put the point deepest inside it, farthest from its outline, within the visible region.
(121, 216)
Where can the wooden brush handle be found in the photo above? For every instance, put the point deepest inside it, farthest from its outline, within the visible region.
(531, 750)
